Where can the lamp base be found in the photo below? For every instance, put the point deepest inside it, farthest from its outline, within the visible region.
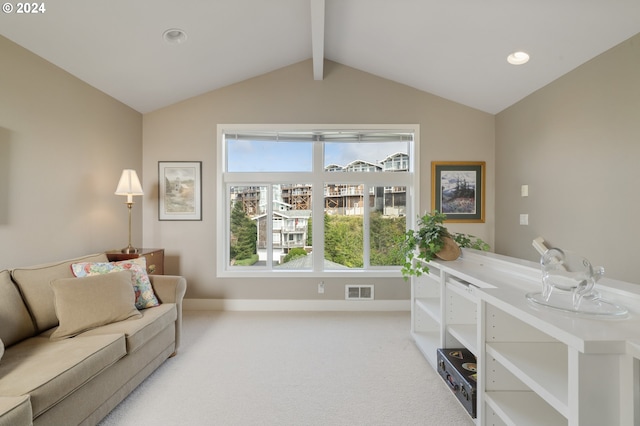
(129, 250)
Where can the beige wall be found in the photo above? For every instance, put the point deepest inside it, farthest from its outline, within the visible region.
(187, 132)
(576, 143)
(63, 145)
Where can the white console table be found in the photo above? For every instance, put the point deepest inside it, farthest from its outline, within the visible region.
(536, 365)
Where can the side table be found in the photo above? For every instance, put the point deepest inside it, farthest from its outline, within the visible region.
(154, 258)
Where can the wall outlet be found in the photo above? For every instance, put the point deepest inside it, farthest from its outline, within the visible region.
(321, 287)
(524, 219)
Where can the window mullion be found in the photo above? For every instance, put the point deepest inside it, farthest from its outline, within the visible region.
(269, 227)
(365, 227)
(317, 207)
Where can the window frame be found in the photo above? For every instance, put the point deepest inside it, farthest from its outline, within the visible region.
(318, 177)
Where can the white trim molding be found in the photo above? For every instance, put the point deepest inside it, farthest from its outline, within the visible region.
(294, 305)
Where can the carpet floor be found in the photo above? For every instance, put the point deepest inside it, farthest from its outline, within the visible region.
(293, 368)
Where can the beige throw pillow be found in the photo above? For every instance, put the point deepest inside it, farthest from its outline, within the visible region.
(85, 303)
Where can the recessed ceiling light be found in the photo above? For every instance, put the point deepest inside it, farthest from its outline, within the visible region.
(174, 36)
(518, 58)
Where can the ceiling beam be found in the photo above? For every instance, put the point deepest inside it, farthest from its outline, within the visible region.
(317, 38)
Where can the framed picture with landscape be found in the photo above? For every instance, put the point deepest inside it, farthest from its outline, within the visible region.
(457, 190)
(180, 190)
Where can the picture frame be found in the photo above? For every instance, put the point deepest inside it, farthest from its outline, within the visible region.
(458, 190)
(179, 190)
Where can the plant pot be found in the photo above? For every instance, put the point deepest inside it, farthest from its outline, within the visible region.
(450, 250)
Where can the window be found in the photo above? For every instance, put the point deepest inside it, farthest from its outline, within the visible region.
(318, 201)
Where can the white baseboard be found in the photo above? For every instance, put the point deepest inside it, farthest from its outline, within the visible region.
(294, 305)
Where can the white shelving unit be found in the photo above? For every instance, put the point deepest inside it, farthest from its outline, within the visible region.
(535, 365)
(426, 313)
(460, 317)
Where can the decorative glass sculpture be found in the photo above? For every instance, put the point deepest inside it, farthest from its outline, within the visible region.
(568, 281)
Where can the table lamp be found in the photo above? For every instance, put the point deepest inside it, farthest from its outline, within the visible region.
(129, 185)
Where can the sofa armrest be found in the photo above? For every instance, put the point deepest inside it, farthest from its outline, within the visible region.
(15, 410)
(171, 289)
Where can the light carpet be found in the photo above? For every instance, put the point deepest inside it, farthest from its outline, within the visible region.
(293, 368)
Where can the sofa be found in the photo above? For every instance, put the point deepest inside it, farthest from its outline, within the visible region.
(77, 336)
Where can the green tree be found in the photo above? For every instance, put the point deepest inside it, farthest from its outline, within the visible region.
(237, 217)
(244, 234)
(386, 234)
(343, 240)
(309, 242)
(294, 253)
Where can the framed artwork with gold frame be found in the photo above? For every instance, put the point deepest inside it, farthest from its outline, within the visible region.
(458, 190)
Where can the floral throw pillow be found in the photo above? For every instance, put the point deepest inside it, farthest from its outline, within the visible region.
(145, 297)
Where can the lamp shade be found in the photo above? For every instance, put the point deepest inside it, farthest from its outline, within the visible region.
(129, 184)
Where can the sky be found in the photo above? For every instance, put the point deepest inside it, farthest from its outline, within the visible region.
(449, 179)
(297, 156)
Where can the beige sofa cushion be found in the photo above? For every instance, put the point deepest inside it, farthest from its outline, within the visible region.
(49, 371)
(1, 349)
(34, 285)
(85, 303)
(15, 410)
(140, 331)
(15, 322)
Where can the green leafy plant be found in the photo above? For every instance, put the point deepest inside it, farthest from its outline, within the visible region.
(427, 240)
(470, 241)
(294, 253)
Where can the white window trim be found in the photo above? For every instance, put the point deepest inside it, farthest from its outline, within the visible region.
(222, 210)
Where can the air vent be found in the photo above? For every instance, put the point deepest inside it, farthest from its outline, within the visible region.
(358, 292)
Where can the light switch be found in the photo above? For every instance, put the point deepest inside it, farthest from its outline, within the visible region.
(524, 190)
(524, 219)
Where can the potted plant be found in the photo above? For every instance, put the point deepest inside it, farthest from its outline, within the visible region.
(431, 240)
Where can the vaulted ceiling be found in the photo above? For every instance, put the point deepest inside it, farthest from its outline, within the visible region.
(455, 49)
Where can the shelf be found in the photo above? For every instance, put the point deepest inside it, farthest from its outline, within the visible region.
(428, 342)
(430, 305)
(523, 408)
(425, 287)
(461, 307)
(462, 289)
(434, 268)
(542, 366)
(433, 275)
(466, 334)
(633, 348)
